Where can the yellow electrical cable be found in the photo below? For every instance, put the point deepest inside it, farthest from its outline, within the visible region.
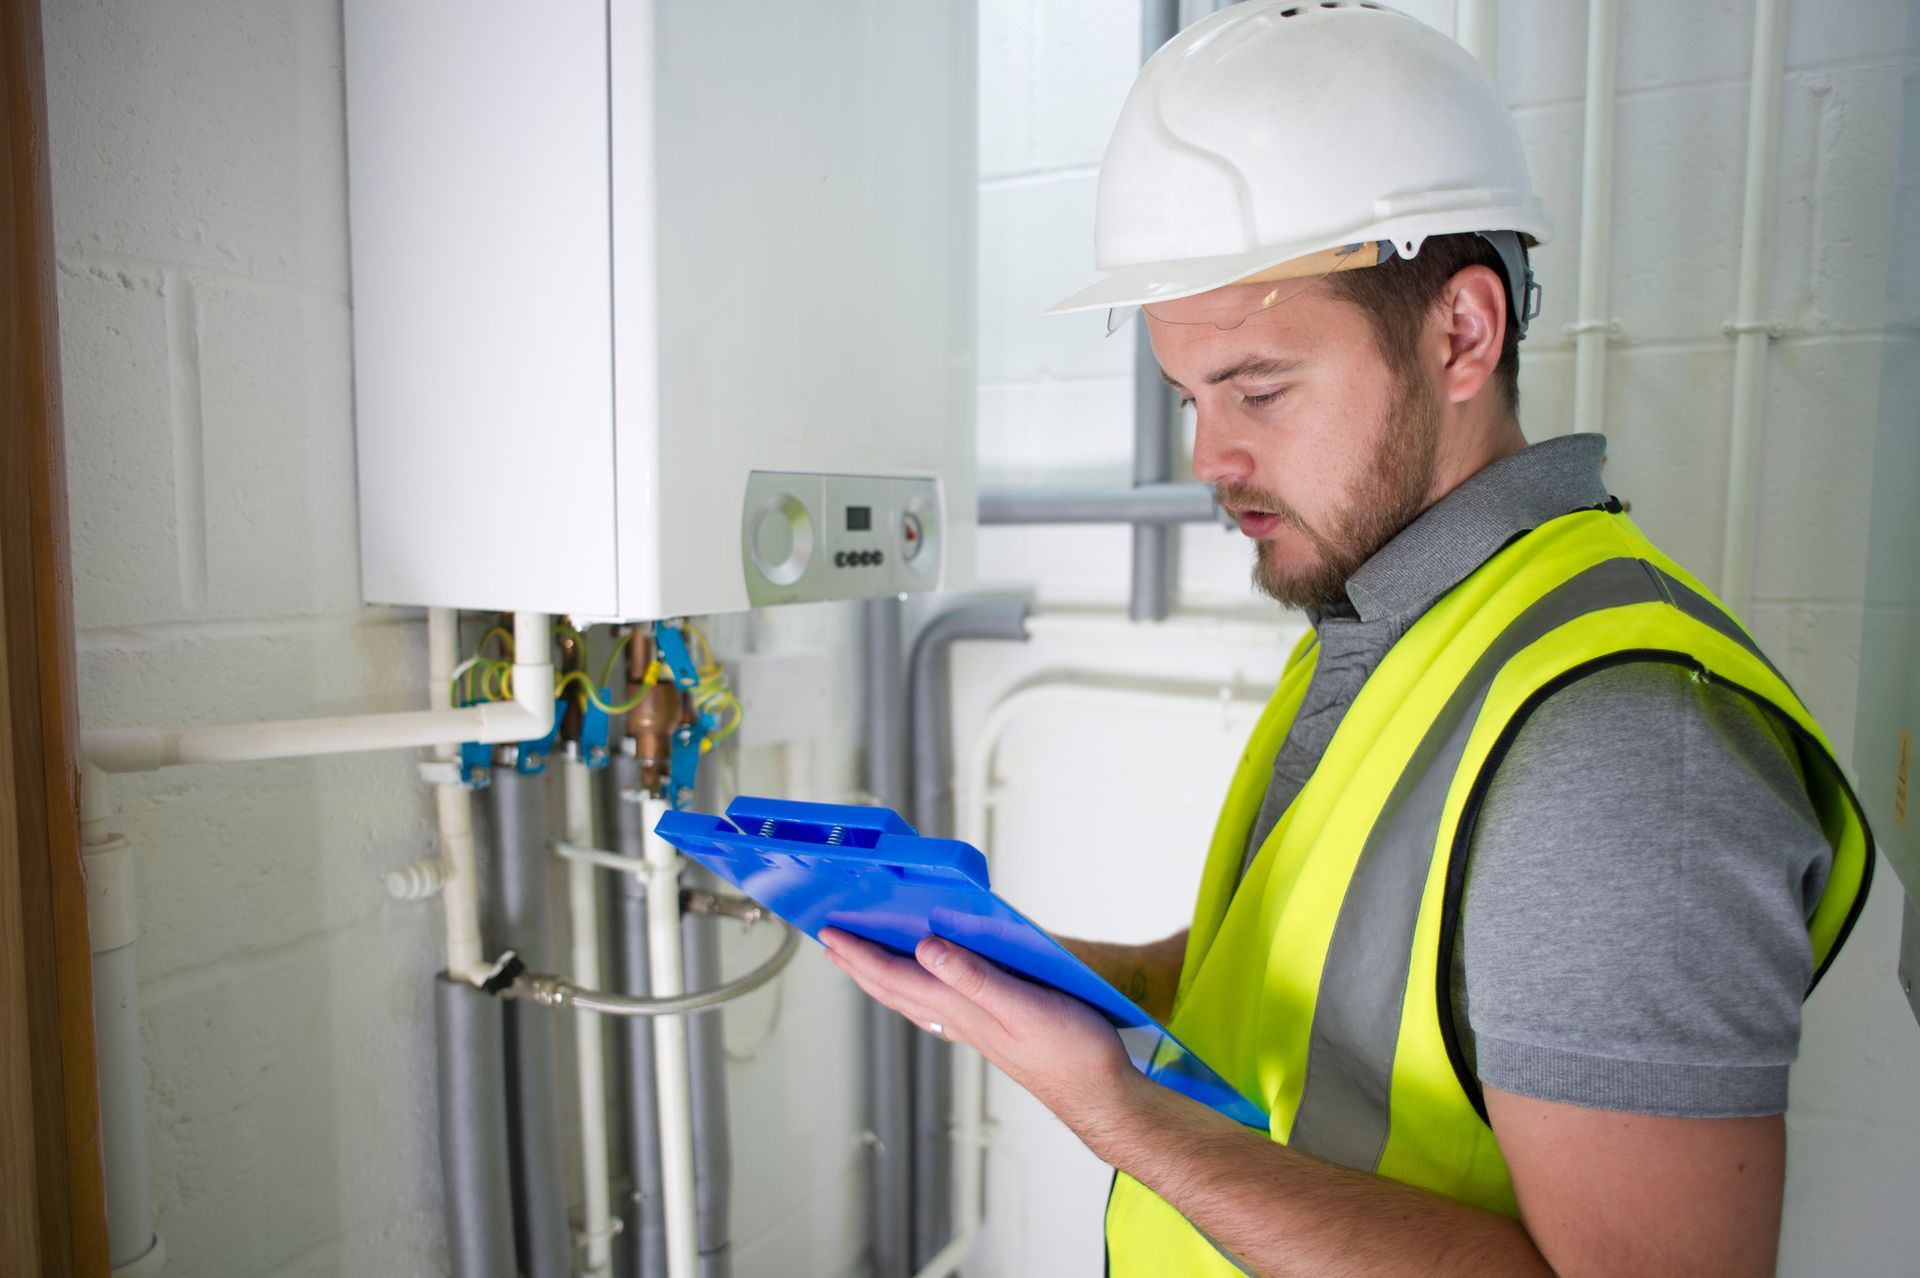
(620, 646)
(706, 650)
(711, 693)
(580, 640)
(593, 694)
(567, 680)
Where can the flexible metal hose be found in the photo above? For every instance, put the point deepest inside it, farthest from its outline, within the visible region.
(553, 991)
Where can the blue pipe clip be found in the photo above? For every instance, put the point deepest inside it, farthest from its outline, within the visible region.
(530, 757)
(596, 732)
(683, 763)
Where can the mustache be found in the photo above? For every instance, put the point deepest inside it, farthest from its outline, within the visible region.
(1247, 497)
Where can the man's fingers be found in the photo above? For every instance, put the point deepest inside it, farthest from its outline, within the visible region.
(945, 978)
(911, 1008)
(901, 985)
(999, 995)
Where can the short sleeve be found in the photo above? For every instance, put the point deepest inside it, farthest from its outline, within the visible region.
(1633, 932)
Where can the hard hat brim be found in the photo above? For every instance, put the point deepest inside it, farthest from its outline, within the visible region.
(1148, 282)
(1163, 281)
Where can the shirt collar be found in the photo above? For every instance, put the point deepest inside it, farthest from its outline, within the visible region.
(1468, 526)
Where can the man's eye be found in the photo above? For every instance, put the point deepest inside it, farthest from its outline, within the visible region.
(1262, 400)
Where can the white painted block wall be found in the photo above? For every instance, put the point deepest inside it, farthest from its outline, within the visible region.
(198, 159)
(199, 207)
(1055, 401)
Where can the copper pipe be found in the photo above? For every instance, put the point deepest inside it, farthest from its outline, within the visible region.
(651, 723)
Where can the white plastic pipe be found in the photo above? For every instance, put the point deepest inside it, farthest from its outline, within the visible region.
(673, 1091)
(970, 1073)
(527, 717)
(1476, 25)
(1594, 328)
(583, 903)
(460, 873)
(1181, 628)
(134, 1249)
(1750, 329)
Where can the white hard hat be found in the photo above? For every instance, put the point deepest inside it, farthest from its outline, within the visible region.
(1277, 130)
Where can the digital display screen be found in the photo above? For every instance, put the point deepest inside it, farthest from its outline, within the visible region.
(859, 518)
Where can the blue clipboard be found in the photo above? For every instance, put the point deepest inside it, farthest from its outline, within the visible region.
(864, 870)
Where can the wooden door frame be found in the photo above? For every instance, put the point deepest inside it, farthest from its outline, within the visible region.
(52, 1196)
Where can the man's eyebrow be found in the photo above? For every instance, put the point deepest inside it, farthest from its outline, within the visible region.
(1257, 366)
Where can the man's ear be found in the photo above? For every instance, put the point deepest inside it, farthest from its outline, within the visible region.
(1473, 316)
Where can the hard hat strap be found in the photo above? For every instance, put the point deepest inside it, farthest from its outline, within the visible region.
(1523, 291)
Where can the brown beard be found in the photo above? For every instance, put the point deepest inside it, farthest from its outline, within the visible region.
(1385, 498)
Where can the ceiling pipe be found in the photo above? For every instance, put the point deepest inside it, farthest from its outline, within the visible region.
(673, 1087)
(453, 810)
(1153, 504)
(589, 1055)
(886, 1038)
(134, 1246)
(1150, 592)
(1750, 328)
(1476, 25)
(1595, 327)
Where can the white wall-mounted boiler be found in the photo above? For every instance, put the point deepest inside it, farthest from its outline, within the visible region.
(661, 307)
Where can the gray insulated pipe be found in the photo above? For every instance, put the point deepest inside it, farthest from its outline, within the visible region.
(642, 1251)
(517, 920)
(888, 1038)
(933, 815)
(707, 1068)
(471, 1034)
(1155, 546)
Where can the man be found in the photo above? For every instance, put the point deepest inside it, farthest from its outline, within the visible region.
(1533, 856)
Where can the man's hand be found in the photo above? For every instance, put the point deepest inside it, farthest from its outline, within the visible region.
(1605, 1195)
(1056, 1047)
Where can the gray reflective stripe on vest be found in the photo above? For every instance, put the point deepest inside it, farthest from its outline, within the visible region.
(1343, 1111)
(1707, 613)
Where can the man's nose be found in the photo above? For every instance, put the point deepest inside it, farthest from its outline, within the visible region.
(1217, 458)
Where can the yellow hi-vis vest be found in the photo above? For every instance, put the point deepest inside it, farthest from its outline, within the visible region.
(1319, 986)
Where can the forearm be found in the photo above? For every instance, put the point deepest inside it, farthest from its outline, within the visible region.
(1148, 974)
(1285, 1213)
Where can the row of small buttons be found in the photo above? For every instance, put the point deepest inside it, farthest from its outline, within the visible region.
(857, 558)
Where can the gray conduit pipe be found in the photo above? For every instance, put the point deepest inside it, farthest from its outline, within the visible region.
(642, 1249)
(933, 815)
(1154, 545)
(471, 1032)
(707, 1067)
(518, 913)
(888, 1038)
(1146, 505)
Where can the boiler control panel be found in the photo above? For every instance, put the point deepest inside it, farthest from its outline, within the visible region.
(812, 537)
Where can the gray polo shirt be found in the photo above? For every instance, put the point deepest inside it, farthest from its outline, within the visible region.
(1633, 931)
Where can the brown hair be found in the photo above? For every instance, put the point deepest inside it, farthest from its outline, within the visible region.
(1398, 297)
